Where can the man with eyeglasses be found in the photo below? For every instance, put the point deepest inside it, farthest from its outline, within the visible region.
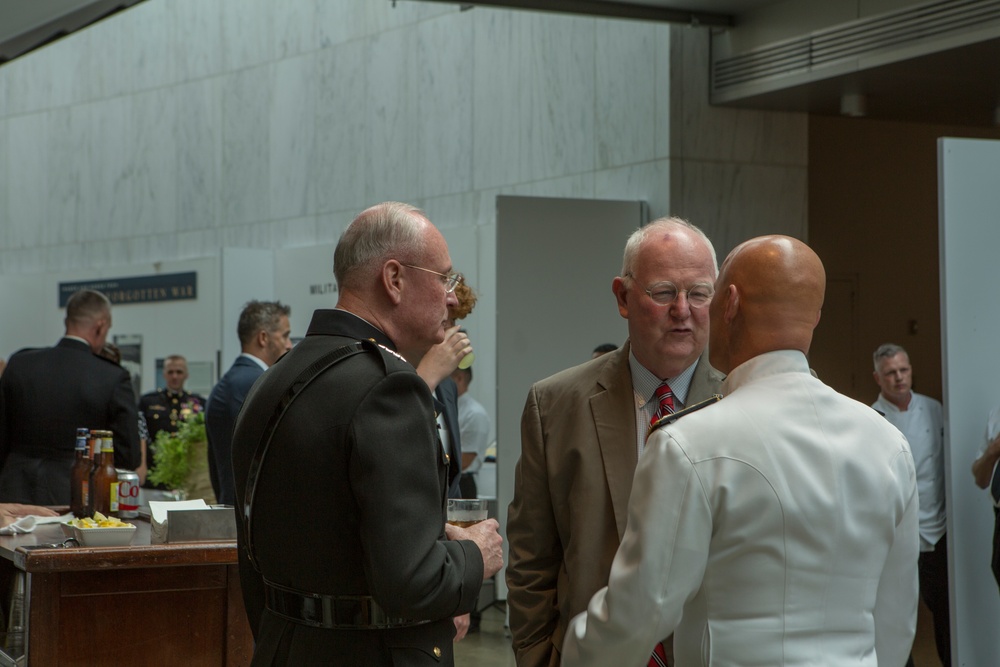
(340, 475)
(777, 527)
(583, 431)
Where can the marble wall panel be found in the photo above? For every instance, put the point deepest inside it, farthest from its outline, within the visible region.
(109, 158)
(329, 226)
(154, 248)
(198, 33)
(4, 157)
(111, 46)
(68, 174)
(625, 92)
(26, 84)
(574, 186)
(294, 233)
(294, 26)
(734, 202)
(661, 86)
(105, 253)
(443, 97)
(4, 91)
(198, 243)
(247, 32)
(153, 24)
(452, 212)
(497, 81)
(154, 128)
(293, 137)
(648, 182)
(246, 122)
(557, 100)
(340, 22)
(342, 121)
(386, 16)
(198, 140)
(27, 180)
(392, 117)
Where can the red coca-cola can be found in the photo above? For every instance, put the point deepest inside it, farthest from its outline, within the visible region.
(128, 494)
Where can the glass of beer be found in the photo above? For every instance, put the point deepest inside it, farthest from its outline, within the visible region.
(464, 512)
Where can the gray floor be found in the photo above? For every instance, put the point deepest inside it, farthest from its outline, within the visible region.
(490, 647)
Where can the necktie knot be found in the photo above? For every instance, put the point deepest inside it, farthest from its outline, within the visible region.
(665, 402)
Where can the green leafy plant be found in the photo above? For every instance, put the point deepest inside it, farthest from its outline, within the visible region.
(172, 463)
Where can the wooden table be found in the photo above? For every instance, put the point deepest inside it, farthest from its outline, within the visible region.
(143, 604)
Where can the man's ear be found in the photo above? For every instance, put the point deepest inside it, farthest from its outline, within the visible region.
(732, 303)
(392, 280)
(262, 336)
(620, 289)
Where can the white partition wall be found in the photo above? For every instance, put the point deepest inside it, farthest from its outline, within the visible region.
(556, 259)
(969, 196)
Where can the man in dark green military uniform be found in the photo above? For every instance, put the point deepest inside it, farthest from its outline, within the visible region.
(164, 408)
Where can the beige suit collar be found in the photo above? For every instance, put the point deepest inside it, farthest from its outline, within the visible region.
(614, 420)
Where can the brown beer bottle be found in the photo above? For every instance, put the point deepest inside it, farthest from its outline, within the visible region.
(104, 479)
(80, 475)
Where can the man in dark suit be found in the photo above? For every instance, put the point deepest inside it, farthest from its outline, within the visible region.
(583, 429)
(47, 393)
(351, 559)
(265, 335)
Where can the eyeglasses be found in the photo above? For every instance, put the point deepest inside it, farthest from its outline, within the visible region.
(665, 293)
(450, 282)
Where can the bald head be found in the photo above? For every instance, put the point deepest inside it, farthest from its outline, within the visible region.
(768, 297)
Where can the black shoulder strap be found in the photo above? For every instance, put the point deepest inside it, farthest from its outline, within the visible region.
(674, 416)
(302, 380)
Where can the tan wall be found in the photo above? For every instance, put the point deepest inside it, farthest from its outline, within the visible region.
(873, 219)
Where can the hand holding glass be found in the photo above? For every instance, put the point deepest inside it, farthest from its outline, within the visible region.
(465, 512)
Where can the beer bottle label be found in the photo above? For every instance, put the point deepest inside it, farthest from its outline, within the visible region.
(114, 496)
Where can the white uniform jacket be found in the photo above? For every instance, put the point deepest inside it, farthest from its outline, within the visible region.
(776, 527)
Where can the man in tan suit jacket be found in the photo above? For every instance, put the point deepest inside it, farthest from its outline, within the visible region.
(582, 431)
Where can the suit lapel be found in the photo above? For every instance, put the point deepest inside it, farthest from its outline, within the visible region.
(614, 421)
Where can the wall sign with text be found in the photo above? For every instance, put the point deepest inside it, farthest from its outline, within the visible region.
(137, 289)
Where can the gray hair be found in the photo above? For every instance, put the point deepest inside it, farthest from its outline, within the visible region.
(85, 305)
(389, 228)
(887, 351)
(260, 316)
(640, 235)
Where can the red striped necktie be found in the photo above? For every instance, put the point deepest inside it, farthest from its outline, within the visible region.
(665, 402)
(659, 657)
(665, 406)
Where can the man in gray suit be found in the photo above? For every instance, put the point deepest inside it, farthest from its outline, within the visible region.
(265, 335)
(583, 430)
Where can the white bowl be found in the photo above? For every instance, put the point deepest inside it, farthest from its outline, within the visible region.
(104, 537)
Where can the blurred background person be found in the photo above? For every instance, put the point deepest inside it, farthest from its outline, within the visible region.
(602, 349)
(165, 407)
(265, 335)
(920, 419)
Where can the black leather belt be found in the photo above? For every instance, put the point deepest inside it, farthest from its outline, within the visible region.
(346, 612)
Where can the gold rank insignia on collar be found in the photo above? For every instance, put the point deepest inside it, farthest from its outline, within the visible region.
(674, 416)
(392, 352)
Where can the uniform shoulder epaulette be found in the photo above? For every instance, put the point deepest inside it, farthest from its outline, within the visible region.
(674, 416)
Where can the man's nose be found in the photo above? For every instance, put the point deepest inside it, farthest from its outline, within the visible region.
(451, 301)
(681, 307)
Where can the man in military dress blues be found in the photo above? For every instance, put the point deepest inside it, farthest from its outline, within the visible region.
(163, 408)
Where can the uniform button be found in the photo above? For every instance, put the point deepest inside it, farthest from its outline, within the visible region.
(437, 652)
(447, 459)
